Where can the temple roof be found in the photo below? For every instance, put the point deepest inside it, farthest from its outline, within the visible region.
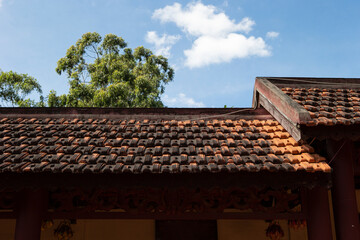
(137, 141)
(312, 107)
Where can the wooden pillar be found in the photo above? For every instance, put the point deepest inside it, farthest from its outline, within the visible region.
(318, 214)
(343, 192)
(31, 208)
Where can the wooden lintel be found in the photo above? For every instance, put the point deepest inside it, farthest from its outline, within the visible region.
(275, 180)
(200, 216)
(122, 215)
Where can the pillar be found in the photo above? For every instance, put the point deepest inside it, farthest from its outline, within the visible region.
(318, 214)
(31, 208)
(346, 215)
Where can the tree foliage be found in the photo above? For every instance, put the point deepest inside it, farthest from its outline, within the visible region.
(105, 73)
(15, 87)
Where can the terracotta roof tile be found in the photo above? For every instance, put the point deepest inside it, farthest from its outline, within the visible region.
(328, 106)
(78, 145)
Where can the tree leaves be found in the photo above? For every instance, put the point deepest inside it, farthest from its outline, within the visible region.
(107, 74)
(14, 87)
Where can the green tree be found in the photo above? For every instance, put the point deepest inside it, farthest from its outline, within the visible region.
(15, 87)
(105, 73)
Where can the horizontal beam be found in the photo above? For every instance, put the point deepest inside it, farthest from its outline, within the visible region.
(192, 216)
(275, 180)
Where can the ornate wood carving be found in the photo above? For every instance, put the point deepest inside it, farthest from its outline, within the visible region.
(176, 201)
(167, 201)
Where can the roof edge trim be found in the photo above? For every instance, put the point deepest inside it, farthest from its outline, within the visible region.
(138, 113)
(285, 110)
(293, 129)
(283, 103)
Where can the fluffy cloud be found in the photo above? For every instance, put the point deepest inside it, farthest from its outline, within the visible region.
(198, 19)
(207, 50)
(181, 100)
(218, 38)
(162, 44)
(272, 34)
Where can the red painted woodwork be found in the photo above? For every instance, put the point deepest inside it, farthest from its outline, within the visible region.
(343, 192)
(176, 201)
(31, 208)
(167, 203)
(202, 216)
(318, 214)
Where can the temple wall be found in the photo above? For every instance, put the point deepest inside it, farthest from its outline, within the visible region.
(92, 229)
(7, 229)
(145, 230)
(108, 229)
(254, 230)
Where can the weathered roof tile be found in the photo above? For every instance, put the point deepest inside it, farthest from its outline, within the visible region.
(327, 106)
(100, 145)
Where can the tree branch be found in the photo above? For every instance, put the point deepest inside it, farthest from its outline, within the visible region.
(97, 53)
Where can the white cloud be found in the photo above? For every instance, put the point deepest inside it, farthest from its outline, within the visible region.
(272, 34)
(208, 50)
(1, 2)
(218, 38)
(198, 19)
(181, 100)
(162, 44)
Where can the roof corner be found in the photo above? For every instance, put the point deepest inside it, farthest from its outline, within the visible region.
(289, 113)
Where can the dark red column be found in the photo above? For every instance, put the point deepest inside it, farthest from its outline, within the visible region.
(31, 208)
(318, 214)
(343, 190)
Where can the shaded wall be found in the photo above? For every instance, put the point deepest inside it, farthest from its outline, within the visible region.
(254, 230)
(108, 229)
(145, 230)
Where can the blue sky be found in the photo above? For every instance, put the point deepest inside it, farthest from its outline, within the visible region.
(216, 47)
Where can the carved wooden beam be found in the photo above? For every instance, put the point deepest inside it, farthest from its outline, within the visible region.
(176, 203)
